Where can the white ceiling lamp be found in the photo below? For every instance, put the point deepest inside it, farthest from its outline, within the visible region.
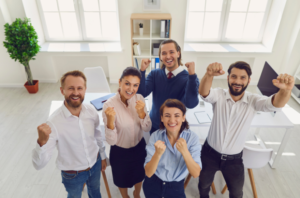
(151, 5)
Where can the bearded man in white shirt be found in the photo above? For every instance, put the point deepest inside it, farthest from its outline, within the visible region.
(74, 129)
(233, 110)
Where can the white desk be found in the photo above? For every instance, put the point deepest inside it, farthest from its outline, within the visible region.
(262, 120)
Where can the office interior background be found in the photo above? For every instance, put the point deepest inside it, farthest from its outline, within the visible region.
(277, 42)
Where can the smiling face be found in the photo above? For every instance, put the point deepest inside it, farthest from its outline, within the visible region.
(129, 85)
(169, 56)
(73, 90)
(238, 81)
(172, 119)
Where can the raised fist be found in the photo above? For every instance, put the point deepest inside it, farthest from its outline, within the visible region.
(140, 105)
(160, 147)
(181, 146)
(44, 131)
(215, 69)
(284, 81)
(191, 67)
(110, 115)
(145, 63)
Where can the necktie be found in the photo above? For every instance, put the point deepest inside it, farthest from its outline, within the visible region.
(169, 75)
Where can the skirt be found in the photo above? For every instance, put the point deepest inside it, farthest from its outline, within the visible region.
(127, 165)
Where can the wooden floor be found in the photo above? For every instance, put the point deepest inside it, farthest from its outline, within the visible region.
(21, 113)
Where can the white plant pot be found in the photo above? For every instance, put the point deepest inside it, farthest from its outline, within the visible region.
(141, 31)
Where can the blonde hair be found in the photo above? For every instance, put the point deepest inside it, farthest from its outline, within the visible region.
(75, 73)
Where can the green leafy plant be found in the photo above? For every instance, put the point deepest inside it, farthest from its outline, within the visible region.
(21, 42)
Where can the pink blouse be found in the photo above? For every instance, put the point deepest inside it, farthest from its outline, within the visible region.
(129, 128)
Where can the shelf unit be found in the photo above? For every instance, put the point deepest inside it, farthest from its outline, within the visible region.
(152, 23)
(297, 81)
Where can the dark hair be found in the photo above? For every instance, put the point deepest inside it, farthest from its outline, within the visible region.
(178, 49)
(177, 104)
(240, 65)
(75, 73)
(131, 71)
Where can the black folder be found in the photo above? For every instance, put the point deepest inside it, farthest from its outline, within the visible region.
(99, 102)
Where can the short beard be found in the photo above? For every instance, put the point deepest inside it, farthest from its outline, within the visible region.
(70, 104)
(237, 93)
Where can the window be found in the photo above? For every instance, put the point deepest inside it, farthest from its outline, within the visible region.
(80, 20)
(226, 20)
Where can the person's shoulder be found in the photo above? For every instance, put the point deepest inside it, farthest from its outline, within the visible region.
(56, 115)
(220, 91)
(157, 71)
(157, 135)
(111, 100)
(253, 97)
(183, 73)
(89, 107)
(139, 97)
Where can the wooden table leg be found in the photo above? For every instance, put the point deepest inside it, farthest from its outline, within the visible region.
(187, 180)
(106, 184)
(252, 182)
(213, 188)
(224, 189)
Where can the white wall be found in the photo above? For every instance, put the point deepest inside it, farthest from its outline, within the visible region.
(49, 66)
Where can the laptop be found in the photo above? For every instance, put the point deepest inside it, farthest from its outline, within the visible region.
(99, 102)
(265, 84)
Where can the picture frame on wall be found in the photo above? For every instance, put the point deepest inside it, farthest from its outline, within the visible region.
(151, 5)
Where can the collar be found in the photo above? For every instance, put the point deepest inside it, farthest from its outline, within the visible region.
(66, 111)
(118, 95)
(243, 99)
(164, 132)
(176, 71)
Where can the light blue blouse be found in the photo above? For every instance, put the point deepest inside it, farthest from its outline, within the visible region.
(171, 166)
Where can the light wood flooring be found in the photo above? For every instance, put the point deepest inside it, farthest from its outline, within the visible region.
(21, 113)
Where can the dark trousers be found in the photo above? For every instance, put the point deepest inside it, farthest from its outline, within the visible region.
(154, 187)
(232, 170)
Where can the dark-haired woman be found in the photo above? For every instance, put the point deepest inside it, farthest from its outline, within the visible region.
(172, 152)
(125, 117)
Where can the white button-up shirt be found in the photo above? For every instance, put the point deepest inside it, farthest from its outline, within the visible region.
(78, 140)
(231, 120)
(175, 72)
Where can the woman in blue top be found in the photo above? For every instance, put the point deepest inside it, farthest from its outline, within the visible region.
(171, 81)
(173, 151)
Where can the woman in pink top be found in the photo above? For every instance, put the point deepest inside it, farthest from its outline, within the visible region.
(125, 117)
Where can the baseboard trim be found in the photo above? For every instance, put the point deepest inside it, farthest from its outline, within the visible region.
(15, 85)
(49, 81)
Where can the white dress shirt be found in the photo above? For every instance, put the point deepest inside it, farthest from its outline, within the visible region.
(78, 140)
(231, 120)
(175, 72)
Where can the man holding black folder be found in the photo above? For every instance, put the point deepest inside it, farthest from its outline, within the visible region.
(234, 110)
(171, 81)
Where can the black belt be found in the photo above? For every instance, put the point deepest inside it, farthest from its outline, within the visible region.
(223, 156)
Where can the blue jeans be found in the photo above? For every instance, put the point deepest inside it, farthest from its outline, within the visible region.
(154, 187)
(74, 182)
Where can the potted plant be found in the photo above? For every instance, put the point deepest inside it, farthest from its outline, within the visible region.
(141, 29)
(22, 45)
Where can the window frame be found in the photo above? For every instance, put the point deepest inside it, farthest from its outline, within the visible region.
(78, 7)
(223, 26)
